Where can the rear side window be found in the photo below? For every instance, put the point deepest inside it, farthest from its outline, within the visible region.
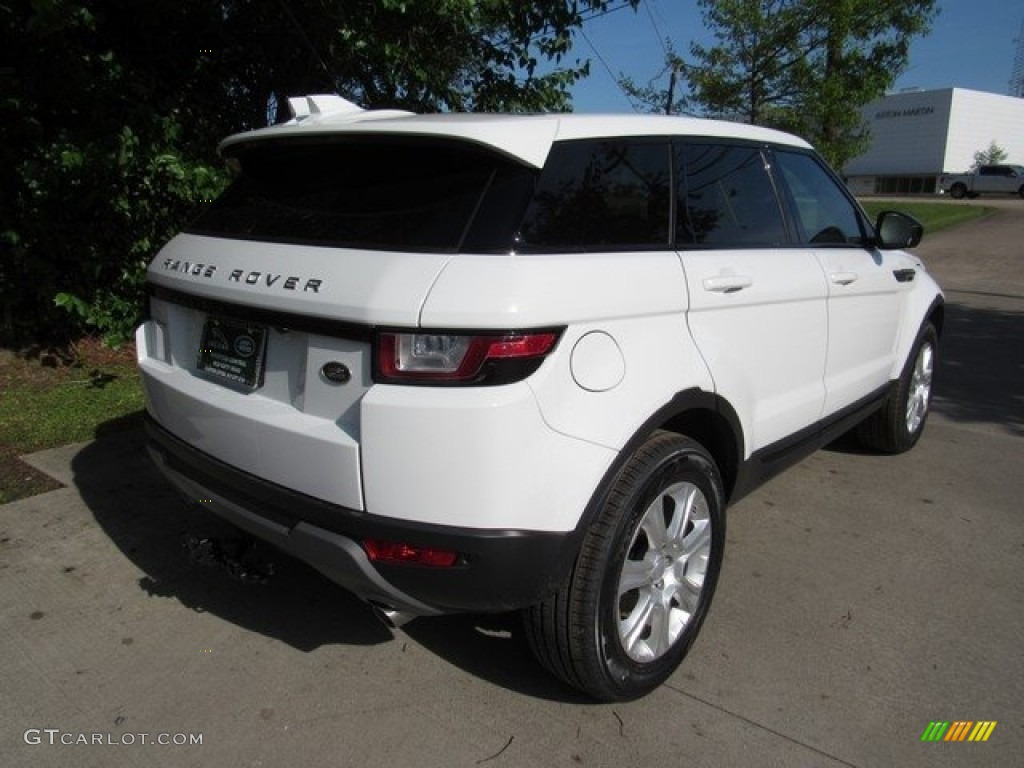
(825, 215)
(726, 198)
(375, 194)
(601, 195)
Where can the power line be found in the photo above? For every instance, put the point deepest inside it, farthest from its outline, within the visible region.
(605, 12)
(306, 40)
(608, 69)
(657, 32)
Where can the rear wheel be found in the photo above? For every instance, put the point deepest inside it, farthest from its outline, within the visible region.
(644, 579)
(898, 425)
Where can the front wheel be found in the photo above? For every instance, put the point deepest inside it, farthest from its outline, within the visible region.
(957, 191)
(898, 425)
(645, 576)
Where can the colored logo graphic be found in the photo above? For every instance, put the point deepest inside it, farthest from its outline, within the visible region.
(958, 730)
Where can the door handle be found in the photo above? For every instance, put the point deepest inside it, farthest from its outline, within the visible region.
(904, 275)
(843, 278)
(727, 283)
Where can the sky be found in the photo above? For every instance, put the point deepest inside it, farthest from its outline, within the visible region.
(971, 45)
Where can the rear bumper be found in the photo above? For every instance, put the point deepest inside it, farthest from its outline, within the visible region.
(498, 569)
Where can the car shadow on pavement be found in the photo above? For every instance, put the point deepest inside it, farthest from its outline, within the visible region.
(981, 363)
(153, 526)
(980, 375)
(491, 647)
(157, 530)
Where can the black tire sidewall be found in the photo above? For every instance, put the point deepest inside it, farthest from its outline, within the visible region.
(683, 461)
(905, 438)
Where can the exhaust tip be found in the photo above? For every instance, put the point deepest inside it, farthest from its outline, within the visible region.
(391, 617)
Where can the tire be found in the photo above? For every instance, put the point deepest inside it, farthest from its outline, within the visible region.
(644, 578)
(898, 425)
(957, 191)
(1020, 191)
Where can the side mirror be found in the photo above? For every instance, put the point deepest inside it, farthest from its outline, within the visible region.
(897, 230)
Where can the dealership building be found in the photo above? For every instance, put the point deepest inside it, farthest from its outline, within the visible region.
(917, 136)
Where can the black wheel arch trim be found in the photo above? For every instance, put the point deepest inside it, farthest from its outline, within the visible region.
(686, 402)
(936, 315)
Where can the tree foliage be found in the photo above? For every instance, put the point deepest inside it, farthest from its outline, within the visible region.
(805, 66)
(994, 155)
(755, 70)
(111, 110)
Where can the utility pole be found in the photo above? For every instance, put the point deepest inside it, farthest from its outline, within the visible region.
(673, 76)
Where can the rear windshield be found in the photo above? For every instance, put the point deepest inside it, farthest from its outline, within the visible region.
(377, 194)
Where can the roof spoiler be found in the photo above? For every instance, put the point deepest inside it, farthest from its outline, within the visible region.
(303, 107)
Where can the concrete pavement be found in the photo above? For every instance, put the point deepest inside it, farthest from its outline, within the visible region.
(862, 597)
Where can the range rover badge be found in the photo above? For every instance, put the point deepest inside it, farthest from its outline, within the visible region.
(335, 372)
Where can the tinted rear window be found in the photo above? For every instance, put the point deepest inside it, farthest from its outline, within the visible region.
(727, 199)
(601, 195)
(368, 194)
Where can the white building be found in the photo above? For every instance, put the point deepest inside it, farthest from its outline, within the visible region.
(917, 136)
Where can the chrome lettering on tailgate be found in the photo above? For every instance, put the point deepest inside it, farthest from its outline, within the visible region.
(197, 269)
(291, 283)
(244, 277)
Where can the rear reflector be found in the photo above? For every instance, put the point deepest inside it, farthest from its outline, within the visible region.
(400, 552)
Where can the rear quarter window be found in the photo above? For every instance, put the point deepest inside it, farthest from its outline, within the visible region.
(601, 195)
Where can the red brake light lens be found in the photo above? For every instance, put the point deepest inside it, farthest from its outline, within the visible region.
(526, 345)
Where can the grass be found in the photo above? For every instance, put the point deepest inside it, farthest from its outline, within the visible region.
(934, 216)
(54, 396)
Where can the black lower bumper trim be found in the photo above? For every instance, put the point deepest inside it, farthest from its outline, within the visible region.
(498, 570)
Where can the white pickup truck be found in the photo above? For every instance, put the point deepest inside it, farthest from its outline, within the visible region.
(987, 179)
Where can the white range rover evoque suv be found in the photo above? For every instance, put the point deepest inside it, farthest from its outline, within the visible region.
(492, 362)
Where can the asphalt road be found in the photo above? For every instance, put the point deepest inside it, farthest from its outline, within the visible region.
(862, 598)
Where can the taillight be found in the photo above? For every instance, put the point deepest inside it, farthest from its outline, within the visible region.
(447, 358)
(400, 552)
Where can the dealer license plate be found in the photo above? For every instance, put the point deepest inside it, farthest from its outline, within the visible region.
(233, 351)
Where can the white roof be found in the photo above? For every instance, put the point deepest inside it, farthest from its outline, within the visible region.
(525, 137)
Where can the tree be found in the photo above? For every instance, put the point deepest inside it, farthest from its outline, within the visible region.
(111, 111)
(994, 155)
(866, 44)
(805, 66)
(421, 55)
(755, 70)
(103, 155)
